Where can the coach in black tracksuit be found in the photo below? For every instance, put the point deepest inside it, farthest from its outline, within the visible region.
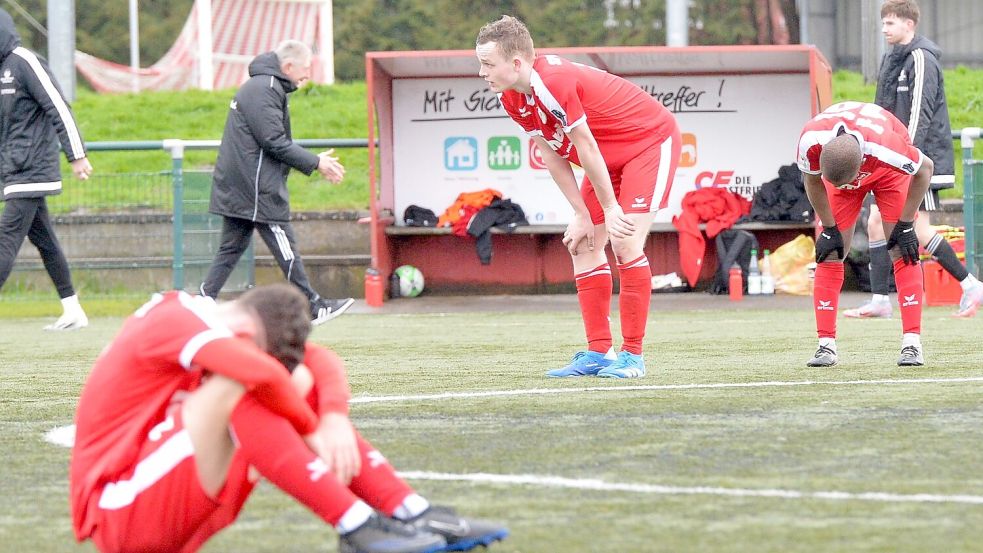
(249, 189)
(34, 119)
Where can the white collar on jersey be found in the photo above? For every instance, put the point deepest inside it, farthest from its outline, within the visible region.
(841, 128)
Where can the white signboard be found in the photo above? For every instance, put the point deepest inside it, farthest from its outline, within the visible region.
(452, 136)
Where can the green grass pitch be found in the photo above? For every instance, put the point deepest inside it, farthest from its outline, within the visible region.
(673, 468)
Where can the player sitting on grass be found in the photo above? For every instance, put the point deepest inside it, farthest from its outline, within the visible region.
(191, 402)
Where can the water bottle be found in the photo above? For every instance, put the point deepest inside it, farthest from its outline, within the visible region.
(373, 287)
(735, 283)
(754, 275)
(767, 280)
(394, 287)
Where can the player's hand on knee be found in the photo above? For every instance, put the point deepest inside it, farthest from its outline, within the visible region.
(904, 237)
(829, 241)
(579, 232)
(618, 224)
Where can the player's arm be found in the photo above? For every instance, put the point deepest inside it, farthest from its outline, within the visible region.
(581, 227)
(816, 192)
(262, 109)
(920, 183)
(262, 376)
(593, 163)
(922, 112)
(43, 87)
(322, 379)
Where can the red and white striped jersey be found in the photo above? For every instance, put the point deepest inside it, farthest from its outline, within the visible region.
(623, 118)
(884, 141)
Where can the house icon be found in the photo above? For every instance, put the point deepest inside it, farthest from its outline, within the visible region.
(460, 153)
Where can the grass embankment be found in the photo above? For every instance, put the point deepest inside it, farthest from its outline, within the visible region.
(339, 111)
(316, 112)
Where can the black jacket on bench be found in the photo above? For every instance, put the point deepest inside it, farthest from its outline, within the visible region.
(500, 213)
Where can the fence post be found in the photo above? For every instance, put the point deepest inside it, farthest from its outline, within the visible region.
(970, 166)
(176, 147)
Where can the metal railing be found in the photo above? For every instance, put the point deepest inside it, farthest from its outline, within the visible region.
(972, 196)
(146, 219)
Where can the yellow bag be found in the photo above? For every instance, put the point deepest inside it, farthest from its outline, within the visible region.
(789, 266)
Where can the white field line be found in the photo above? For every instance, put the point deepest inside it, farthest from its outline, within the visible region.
(658, 387)
(599, 485)
(65, 435)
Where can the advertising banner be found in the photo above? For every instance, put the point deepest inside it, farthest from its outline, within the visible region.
(451, 135)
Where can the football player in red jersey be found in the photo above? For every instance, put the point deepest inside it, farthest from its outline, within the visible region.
(628, 144)
(193, 400)
(845, 152)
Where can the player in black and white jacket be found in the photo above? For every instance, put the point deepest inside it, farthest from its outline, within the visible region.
(911, 87)
(249, 189)
(34, 120)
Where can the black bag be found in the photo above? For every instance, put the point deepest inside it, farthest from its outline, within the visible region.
(416, 216)
(733, 246)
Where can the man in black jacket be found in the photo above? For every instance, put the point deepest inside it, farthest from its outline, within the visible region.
(249, 189)
(911, 87)
(34, 119)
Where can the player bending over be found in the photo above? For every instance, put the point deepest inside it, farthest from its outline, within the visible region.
(846, 151)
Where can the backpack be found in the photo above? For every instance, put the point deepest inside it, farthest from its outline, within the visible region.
(733, 246)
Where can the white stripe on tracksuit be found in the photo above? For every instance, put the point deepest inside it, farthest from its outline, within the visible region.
(74, 137)
(284, 244)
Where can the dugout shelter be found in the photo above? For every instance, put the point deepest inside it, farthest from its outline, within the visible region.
(436, 130)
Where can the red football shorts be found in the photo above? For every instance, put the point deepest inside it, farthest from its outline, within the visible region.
(642, 183)
(890, 192)
(159, 504)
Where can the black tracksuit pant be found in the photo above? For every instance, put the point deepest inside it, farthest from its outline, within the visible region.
(279, 238)
(29, 217)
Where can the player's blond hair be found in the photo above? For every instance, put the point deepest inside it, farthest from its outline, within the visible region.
(840, 159)
(902, 9)
(511, 36)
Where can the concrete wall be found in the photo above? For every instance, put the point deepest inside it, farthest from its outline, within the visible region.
(135, 253)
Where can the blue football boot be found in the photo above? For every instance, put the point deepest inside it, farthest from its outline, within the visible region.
(584, 363)
(628, 365)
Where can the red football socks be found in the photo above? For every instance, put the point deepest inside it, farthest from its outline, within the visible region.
(826, 296)
(909, 281)
(636, 294)
(269, 443)
(377, 483)
(594, 292)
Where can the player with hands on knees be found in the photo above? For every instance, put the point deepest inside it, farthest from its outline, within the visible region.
(628, 144)
(847, 151)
